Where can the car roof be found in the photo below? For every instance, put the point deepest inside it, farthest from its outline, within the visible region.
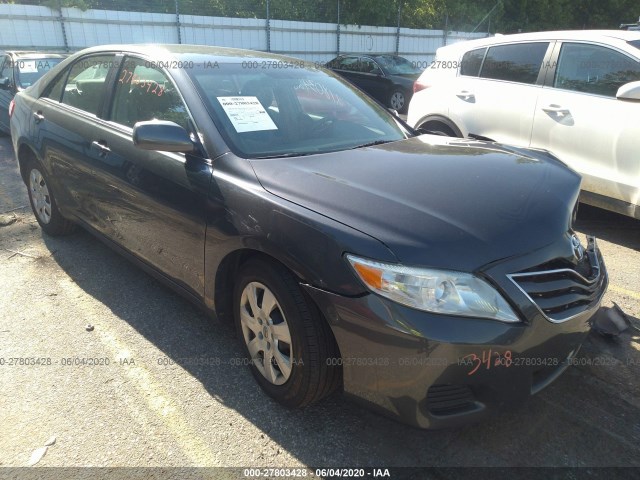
(34, 54)
(186, 51)
(623, 35)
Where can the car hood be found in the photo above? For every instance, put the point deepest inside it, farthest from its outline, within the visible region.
(435, 201)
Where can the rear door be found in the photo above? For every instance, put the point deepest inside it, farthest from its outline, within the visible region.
(152, 202)
(348, 67)
(63, 122)
(497, 100)
(580, 120)
(372, 79)
(6, 71)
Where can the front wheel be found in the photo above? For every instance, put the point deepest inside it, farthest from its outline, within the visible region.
(289, 345)
(44, 204)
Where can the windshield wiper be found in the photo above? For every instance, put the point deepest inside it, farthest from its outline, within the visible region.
(371, 144)
(286, 155)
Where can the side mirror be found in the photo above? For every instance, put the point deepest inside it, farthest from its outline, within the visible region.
(162, 135)
(629, 91)
(4, 83)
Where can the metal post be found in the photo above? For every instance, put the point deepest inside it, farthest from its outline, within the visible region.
(338, 32)
(178, 21)
(268, 26)
(398, 29)
(62, 27)
(446, 29)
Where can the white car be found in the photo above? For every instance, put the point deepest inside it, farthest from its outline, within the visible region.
(574, 93)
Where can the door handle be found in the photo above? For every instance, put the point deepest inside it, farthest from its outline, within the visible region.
(38, 116)
(465, 95)
(556, 109)
(101, 146)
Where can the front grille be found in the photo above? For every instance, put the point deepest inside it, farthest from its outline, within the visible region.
(449, 399)
(563, 293)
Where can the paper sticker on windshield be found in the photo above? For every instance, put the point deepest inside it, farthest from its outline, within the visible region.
(247, 114)
(28, 66)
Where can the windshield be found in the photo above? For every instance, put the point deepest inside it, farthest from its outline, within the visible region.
(31, 69)
(281, 111)
(397, 65)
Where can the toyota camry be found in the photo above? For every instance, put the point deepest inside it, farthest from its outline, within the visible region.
(434, 279)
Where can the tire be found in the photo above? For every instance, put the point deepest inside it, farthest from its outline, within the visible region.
(43, 202)
(291, 328)
(398, 100)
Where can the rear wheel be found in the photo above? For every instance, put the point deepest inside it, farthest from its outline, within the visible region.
(289, 345)
(44, 204)
(398, 100)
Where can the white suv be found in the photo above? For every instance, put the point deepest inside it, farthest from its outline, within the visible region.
(574, 93)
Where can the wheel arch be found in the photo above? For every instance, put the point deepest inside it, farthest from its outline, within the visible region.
(440, 119)
(226, 273)
(25, 153)
(226, 276)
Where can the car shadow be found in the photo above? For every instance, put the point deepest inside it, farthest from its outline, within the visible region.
(338, 432)
(609, 226)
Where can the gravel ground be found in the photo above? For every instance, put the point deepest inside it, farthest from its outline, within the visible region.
(142, 409)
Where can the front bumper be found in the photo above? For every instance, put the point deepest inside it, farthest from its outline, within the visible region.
(436, 371)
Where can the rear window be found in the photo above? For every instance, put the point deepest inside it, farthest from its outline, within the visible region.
(515, 63)
(31, 69)
(471, 62)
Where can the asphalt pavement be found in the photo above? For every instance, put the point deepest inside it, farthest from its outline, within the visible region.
(145, 386)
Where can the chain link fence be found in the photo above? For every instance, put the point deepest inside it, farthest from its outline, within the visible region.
(315, 30)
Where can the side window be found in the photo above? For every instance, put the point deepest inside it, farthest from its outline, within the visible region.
(349, 63)
(515, 63)
(85, 87)
(369, 66)
(6, 71)
(594, 69)
(144, 93)
(471, 62)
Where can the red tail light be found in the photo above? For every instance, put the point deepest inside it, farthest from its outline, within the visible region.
(418, 85)
(12, 105)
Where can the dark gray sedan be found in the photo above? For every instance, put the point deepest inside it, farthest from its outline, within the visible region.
(387, 78)
(434, 279)
(19, 70)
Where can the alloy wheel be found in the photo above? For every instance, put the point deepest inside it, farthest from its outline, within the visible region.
(266, 333)
(40, 195)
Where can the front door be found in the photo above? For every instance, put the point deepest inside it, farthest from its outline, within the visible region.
(153, 201)
(580, 120)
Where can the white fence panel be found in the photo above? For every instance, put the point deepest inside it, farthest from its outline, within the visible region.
(40, 27)
(224, 32)
(312, 41)
(29, 26)
(99, 27)
(367, 39)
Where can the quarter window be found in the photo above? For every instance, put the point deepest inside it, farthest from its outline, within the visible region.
(85, 85)
(6, 71)
(515, 63)
(55, 88)
(144, 93)
(471, 62)
(594, 69)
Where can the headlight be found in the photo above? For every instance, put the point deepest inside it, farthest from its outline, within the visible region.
(438, 291)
